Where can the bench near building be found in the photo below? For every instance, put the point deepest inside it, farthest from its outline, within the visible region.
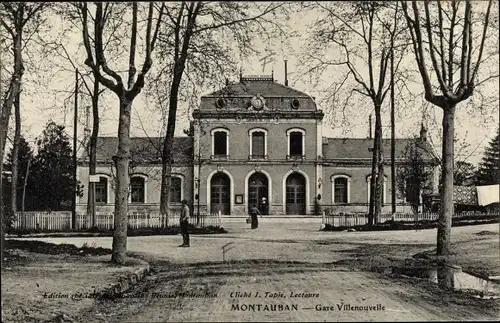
(253, 139)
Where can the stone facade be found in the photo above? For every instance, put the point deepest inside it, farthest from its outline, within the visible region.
(251, 140)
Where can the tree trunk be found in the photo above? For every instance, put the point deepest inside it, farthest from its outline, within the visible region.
(371, 211)
(122, 161)
(446, 212)
(93, 151)
(167, 154)
(15, 153)
(26, 175)
(379, 179)
(15, 87)
(393, 135)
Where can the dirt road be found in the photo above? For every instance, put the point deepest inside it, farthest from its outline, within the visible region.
(274, 291)
(193, 284)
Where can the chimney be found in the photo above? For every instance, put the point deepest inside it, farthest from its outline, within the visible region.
(423, 132)
(241, 74)
(227, 81)
(370, 126)
(286, 74)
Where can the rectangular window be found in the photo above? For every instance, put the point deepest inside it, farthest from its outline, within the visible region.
(101, 191)
(340, 190)
(175, 190)
(137, 190)
(220, 143)
(258, 145)
(296, 144)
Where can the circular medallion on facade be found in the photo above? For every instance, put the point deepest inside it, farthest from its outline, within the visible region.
(220, 103)
(295, 104)
(257, 102)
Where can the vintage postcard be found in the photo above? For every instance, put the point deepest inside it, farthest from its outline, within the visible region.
(238, 161)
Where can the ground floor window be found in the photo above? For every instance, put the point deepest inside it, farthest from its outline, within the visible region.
(137, 189)
(175, 190)
(101, 190)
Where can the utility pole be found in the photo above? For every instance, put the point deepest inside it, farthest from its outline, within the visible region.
(75, 134)
(393, 134)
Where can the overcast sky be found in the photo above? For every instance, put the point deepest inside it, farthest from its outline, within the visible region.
(473, 129)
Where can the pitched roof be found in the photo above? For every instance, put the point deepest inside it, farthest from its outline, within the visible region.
(144, 149)
(360, 148)
(250, 86)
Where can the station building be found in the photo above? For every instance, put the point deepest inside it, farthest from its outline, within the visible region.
(251, 140)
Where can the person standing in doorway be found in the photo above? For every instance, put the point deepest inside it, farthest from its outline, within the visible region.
(254, 213)
(263, 206)
(184, 222)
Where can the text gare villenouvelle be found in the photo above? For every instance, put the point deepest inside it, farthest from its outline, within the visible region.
(273, 295)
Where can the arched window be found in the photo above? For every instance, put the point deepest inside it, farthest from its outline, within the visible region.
(138, 189)
(341, 185)
(176, 189)
(296, 143)
(384, 189)
(258, 143)
(101, 190)
(220, 143)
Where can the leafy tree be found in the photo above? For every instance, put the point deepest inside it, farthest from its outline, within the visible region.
(488, 172)
(463, 173)
(53, 170)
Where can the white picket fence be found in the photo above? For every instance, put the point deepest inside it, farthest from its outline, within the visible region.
(354, 219)
(62, 221)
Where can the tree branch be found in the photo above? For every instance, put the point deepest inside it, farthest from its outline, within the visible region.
(133, 43)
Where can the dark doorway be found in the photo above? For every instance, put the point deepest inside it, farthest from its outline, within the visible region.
(220, 199)
(295, 194)
(257, 189)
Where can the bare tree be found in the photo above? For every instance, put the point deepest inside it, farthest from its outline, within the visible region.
(17, 19)
(108, 18)
(443, 39)
(415, 172)
(366, 34)
(194, 39)
(21, 21)
(94, 92)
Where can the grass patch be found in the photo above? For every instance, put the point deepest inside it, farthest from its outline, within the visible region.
(55, 249)
(130, 232)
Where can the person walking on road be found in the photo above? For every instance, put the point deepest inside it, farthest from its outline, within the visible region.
(254, 212)
(184, 222)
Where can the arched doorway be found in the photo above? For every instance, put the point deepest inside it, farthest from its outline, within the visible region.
(220, 199)
(295, 194)
(258, 187)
